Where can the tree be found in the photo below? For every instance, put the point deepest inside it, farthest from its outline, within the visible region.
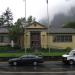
(69, 25)
(19, 25)
(16, 30)
(6, 20)
(8, 17)
(2, 20)
(30, 19)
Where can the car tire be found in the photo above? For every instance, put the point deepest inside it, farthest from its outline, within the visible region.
(71, 62)
(11, 64)
(14, 63)
(35, 63)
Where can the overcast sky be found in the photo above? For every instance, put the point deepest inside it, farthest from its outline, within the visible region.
(36, 8)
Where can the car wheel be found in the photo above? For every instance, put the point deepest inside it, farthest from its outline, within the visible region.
(35, 63)
(71, 62)
(11, 64)
(15, 63)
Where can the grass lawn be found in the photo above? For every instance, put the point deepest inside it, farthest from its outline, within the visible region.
(7, 51)
(10, 54)
(53, 54)
(22, 53)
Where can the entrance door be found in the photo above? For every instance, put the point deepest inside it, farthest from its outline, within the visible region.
(35, 40)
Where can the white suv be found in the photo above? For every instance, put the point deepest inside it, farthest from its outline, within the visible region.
(69, 58)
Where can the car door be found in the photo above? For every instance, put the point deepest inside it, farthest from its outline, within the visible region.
(74, 56)
(26, 60)
(30, 59)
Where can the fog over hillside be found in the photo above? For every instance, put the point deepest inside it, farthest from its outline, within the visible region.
(64, 14)
(62, 18)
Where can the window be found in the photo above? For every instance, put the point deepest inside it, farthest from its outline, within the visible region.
(1, 39)
(62, 38)
(4, 39)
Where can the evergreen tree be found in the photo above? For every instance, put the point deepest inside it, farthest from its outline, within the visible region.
(8, 17)
(2, 20)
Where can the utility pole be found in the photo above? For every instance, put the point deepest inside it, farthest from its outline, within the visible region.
(48, 27)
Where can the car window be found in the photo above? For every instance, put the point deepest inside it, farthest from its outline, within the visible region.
(74, 54)
(29, 56)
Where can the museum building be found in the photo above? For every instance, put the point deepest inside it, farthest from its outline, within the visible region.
(37, 36)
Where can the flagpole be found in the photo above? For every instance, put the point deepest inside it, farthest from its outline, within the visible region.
(25, 9)
(48, 26)
(25, 27)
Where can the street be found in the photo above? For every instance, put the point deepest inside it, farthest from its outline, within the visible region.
(47, 68)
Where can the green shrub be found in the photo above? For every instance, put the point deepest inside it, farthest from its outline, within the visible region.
(28, 50)
(44, 50)
(68, 49)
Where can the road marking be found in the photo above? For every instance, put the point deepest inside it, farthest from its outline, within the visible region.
(3, 72)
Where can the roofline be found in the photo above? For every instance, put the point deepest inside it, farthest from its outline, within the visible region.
(37, 23)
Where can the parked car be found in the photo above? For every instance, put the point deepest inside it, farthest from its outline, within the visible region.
(26, 59)
(69, 58)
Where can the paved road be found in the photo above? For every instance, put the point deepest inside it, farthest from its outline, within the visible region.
(13, 73)
(47, 68)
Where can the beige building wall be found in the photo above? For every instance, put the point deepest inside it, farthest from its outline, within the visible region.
(43, 40)
(73, 40)
(61, 44)
(27, 40)
(48, 41)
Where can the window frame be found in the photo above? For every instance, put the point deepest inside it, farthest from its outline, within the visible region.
(62, 38)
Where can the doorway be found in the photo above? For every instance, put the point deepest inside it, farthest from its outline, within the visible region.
(35, 40)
